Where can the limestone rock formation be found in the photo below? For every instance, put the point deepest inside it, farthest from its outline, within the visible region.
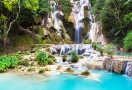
(71, 18)
(118, 66)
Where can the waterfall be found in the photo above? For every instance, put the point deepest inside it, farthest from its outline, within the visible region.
(111, 67)
(127, 66)
(56, 24)
(80, 49)
(78, 10)
(95, 32)
(93, 26)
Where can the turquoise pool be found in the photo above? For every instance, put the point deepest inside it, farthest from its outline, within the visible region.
(107, 81)
(124, 54)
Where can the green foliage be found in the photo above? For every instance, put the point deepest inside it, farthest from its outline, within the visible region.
(69, 70)
(128, 41)
(88, 41)
(43, 58)
(94, 45)
(74, 56)
(115, 17)
(3, 17)
(109, 49)
(40, 31)
(7, 62)
(100, 48)
(44, 41)
(41, 70)
(21, 40)
(128, 17)
(66, 7)
(31, 68)
(9, 4)
(31, 4)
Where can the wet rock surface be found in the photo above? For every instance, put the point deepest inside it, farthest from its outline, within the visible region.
(118, 66)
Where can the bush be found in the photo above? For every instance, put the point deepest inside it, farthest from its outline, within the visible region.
(74, 56)
(109, 49)
(69, 70)
(7, 62)
(41, 70)
(94, 45)
(88, 41)
(99, 48)
(43, 58)
(128, 41)
(21, 40)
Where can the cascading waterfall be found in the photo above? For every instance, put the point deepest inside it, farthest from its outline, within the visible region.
(127, 66)
(80, 49)
(78, 9)
(111, 67)
(93, 27)
(56, 24)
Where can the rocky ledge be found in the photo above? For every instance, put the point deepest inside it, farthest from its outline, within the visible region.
(120, 65)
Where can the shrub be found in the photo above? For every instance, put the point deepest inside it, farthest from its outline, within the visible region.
(128, 41)
(43, 58)
(99, 48)
(74, 56)
(24, 62)
(94, 45)
(109, 49)
(88, 41)
(31, 68)
(41, 70)
(69, 70)
(7, 62)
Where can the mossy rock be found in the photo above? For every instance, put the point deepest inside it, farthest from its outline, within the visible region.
(85, 73)
(44, 41)
(68, 41)
(38, 40)
(86, 27)
(88, 41)
(85, 11)
(20, 41)
(40, 31)
(55, 38)
(69, 70)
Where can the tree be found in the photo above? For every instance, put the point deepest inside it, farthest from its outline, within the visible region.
(114, 16)
(128, 41)
(11, 7)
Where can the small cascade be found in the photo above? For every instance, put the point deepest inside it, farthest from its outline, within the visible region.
(127, 67)
(107, 63)
(80, 48)
(56, 24)
(65, 49)
(111, 67)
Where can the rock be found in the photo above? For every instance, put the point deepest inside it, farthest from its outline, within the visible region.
(49, 23)
(35, 64)
(71, 18)
(118, 66)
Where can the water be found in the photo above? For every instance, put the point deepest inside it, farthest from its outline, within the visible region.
(124, 54)
(107, 81)
(78, 10)
(56, 24)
